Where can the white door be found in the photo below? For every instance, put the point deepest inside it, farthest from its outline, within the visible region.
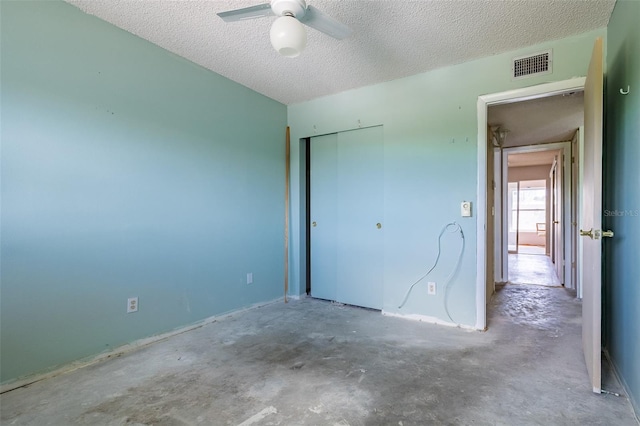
(346, 216)
(557, 215)
(591, 218)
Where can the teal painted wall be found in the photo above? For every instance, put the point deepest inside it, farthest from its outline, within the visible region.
(126, 171)
(622, 196)
(430, 167)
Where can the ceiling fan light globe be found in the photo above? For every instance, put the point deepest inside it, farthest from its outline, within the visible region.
(288, 36)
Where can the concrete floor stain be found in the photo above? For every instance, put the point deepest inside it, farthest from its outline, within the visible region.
(304, 361)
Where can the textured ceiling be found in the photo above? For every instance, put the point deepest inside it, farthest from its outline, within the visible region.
(391, 39)
(544, 120)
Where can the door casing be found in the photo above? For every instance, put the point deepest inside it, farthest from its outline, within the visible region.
(566, 207)
(484, 101)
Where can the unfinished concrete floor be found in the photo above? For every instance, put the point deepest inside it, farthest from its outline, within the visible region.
(312, 362)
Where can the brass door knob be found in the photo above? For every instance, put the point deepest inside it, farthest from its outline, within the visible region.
(314, 224)
(596, 234)
(588, 233)
(378, 225)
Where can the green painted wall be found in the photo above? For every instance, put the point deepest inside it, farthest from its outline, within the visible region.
(622, 196)
(430, 166)
(126, 171)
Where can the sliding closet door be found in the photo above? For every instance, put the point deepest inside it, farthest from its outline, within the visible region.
(324, 216)
(354, 209)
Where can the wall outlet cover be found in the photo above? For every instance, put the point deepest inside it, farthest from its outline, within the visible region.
(132, 305)
(431, 288)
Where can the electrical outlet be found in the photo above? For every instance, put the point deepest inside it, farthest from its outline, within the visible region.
(132, 305)
(250, 278)
(431, 288)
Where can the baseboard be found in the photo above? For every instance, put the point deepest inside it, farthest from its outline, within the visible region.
(428, 319)
(635, 405)
(120, 350)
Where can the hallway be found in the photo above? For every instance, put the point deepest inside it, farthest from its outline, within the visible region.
(534, 269)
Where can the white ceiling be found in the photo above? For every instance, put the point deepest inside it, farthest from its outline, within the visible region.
(540, 158)
(544, 120)
(391, 39)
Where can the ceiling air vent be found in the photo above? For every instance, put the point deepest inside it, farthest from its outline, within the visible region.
(530, 65)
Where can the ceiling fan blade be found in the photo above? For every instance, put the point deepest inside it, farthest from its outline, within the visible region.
(252, 12)
(324, 23)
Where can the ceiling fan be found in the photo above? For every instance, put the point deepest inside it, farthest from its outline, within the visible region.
(288, 36)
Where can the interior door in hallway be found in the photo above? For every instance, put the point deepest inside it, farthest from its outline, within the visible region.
(557, 222)
(346, 217)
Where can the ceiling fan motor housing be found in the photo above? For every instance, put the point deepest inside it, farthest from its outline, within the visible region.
(297, 8)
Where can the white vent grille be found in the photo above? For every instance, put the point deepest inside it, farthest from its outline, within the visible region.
(530, 65)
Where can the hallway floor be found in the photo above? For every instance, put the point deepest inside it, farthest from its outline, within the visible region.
(532, 269)
(311, 362)
(525, 249)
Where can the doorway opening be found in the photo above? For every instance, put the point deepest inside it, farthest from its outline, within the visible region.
(587, 187)
(534, 206)
(529, 260)
(527, 216)
(533, 226)
(492, 244)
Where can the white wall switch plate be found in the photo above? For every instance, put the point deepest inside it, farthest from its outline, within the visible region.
(132, 305)
(465, 209)
(431, 288)
(250, 278)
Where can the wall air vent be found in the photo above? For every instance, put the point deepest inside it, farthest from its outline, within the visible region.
(530, 65)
